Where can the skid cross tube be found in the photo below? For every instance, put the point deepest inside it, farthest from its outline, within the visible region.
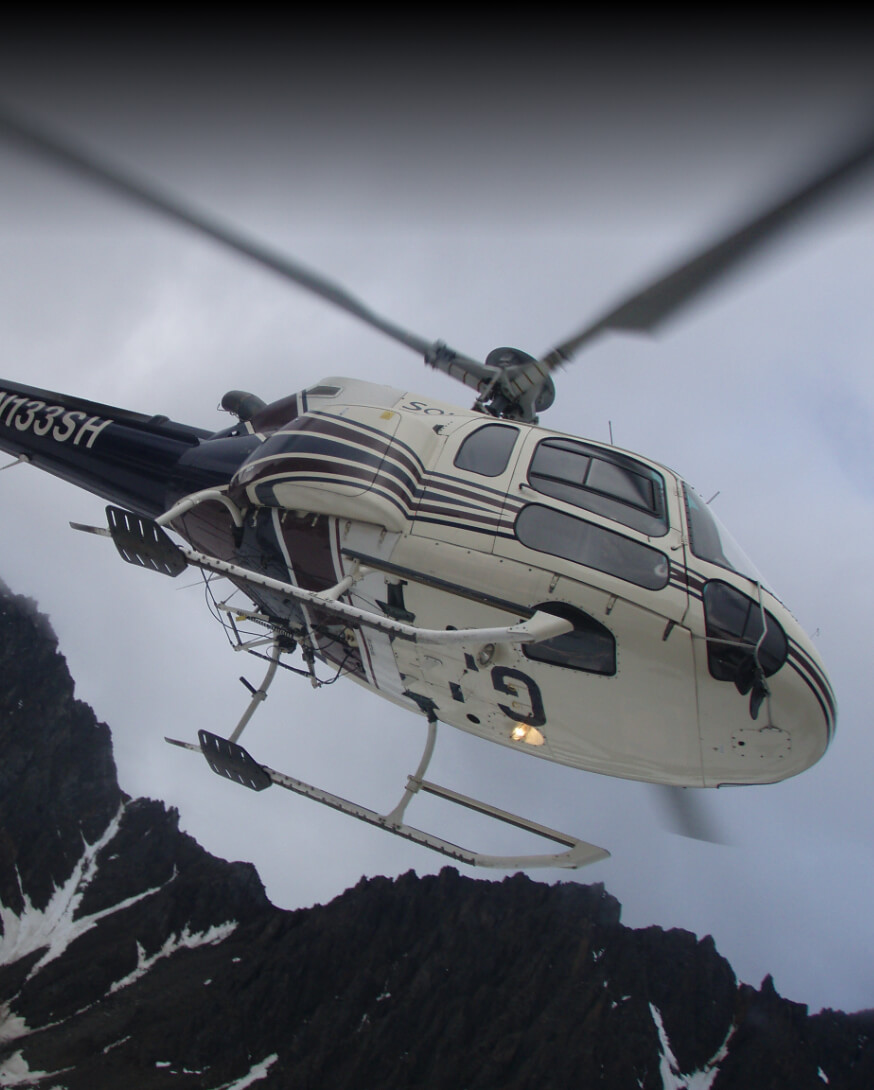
(258, 695)
(541, 626)
(414, 782)
(144, 542)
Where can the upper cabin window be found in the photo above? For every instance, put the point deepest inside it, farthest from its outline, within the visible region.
(487, 450)
(604, 482)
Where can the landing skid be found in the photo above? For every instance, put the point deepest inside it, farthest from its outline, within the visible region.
(231, 761)
(144, 542)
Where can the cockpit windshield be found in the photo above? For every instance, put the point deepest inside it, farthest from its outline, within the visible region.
(709, 539)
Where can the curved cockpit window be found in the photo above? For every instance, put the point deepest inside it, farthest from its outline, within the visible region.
(734, 625)
(590, 646)
(709, 539)
(605, 482)
(487, 450)
(551, 531)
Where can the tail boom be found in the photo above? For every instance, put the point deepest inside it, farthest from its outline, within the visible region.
(127, 458)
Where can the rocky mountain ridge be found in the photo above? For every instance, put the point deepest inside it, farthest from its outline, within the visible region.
(130, 956)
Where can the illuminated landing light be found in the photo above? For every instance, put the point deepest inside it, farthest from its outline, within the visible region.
(531, 736)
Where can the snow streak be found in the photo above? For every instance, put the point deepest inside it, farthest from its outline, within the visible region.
(54, 927)
(14, 1071)
(258, 1072)
(185, 940)
(669, 1069)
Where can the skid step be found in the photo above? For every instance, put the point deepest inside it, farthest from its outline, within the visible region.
(141, 541)
(230, 760)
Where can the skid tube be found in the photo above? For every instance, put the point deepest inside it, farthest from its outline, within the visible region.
(230, 760)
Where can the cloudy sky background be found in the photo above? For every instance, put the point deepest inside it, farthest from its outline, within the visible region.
(483, 198)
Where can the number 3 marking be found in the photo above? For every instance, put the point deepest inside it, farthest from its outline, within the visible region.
(499, 677)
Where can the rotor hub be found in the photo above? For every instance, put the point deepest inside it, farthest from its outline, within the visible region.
(502, 400)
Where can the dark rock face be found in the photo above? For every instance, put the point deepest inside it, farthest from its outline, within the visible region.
(131, 957)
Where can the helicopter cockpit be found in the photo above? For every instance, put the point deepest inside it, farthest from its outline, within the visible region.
(710, 540)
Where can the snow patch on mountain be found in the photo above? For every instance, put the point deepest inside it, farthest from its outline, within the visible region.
(14, 1071)
(186, 939)
(12, 1026)
(258, 1072)
(669, 1069)
(54, 927)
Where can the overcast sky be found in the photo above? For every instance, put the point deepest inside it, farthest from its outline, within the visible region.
(484, 199)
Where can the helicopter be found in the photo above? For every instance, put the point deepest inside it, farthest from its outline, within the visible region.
(554, 594)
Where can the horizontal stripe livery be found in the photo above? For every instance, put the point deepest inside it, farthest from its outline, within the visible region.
(330, 450)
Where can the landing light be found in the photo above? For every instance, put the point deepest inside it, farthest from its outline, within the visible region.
(529, 735)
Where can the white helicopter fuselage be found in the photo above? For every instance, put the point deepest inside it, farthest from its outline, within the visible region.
(682, 667)
(604, 619)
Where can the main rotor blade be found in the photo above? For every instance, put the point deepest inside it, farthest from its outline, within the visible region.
(646, 309)
(60, 151)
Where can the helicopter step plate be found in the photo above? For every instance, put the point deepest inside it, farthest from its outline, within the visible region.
(141, 541)
(230, 760)
(234, 763)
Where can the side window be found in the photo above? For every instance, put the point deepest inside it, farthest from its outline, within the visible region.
(590, 646)
(604, 482)
(551, 531)
(487, 450)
